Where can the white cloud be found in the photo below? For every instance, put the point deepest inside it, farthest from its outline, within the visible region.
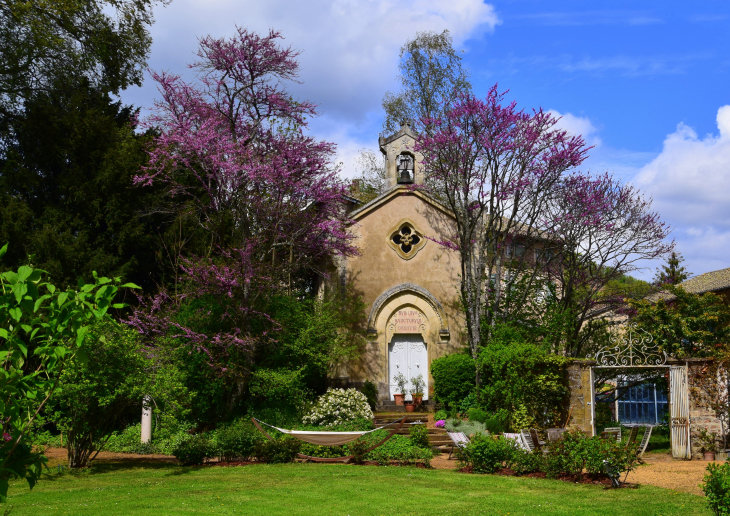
(690, 183)
(349, 47)
(578, 125)
(350, 50)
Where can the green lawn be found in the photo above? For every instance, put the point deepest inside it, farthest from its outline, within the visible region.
(330, 489)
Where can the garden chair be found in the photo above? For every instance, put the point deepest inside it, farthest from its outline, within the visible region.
(616, 430)
(527, 439)
(555, 434)
(632, 435)
(459, 440)
(518, 439)
(536, 442)
(645, 440)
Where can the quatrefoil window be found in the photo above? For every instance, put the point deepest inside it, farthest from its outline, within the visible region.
(406, 240)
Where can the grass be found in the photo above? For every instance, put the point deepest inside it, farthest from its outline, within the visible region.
(659, 442)
(294, 489)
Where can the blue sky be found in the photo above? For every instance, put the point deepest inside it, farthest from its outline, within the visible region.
(644, 81)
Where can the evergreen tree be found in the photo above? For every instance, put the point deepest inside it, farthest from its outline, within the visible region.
(672, 273)
(66, 194)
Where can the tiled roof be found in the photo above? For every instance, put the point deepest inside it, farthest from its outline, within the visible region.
(708, 282)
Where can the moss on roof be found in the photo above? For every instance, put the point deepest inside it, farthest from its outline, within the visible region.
(708, 282)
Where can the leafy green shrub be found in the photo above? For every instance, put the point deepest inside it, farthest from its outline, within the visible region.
(404, 457)
(576, 452)
(477, 414)
(193, 450)
(338, 406)
(469, 402)
(237, 440)
(419, 436)
(358, 450)
(716, 487)
(524, 379)
(454, 377)
(370, 390)
(524, 462)
(278, 451)
(440, 415)
(399, 448)
(486, 454)
(493, 425)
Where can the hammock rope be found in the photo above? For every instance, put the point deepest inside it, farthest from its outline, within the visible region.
(329, 438)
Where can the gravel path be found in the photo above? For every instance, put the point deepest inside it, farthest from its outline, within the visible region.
(663, 471)
(659, 470)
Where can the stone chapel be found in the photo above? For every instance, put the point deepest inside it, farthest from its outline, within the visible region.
(409, 282)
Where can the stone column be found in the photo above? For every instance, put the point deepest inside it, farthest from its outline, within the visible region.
(581, 405)
(146, 434)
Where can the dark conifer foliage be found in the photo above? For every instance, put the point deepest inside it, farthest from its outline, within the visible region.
(66, 194)
(673, 272)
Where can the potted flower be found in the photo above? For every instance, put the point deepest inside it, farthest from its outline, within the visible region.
(401, 381)
(708, 443)
(417, 391)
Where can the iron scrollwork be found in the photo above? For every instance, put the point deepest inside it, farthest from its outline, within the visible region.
(631, 349)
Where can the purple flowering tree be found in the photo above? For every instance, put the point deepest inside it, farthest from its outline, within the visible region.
(232, 150)
(605, 228)
(495, 167)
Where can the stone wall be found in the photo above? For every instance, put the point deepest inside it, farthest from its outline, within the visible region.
(580, 381)
(701, 416)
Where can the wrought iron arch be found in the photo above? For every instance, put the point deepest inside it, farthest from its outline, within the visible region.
(634, 348)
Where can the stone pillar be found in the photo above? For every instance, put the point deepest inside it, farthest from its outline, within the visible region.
(146, 434)
(581, 405)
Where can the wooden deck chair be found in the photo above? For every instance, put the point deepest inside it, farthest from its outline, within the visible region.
(615, 429)
(517, 438)
(632, 435)
(459, 440)
(527, 439)
(536, 442)
(645, 440)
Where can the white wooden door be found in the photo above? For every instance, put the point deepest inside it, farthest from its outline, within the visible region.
(679, 408)
(407, 354)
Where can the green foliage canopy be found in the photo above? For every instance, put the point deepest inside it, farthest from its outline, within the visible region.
(453, 378)
(102, 394)
(684, 324)
(524, 379)
(41, 329)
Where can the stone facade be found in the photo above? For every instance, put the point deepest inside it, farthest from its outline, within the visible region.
(409, 282)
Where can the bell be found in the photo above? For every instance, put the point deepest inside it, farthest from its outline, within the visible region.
(405, 176)
(405, 166)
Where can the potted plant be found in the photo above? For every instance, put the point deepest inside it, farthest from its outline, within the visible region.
(417, 391)
(410, 407)
(708, 443)
(401, 381)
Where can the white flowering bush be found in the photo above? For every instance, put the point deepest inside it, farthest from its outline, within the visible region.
(339, 406)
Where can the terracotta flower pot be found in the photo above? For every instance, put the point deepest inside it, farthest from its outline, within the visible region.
(709, 455)
(399, 399)
(417, 400)
(410, 407)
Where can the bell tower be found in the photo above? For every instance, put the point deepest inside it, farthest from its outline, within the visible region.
(403, 165)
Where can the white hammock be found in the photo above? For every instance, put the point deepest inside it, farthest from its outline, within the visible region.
(325, 438)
